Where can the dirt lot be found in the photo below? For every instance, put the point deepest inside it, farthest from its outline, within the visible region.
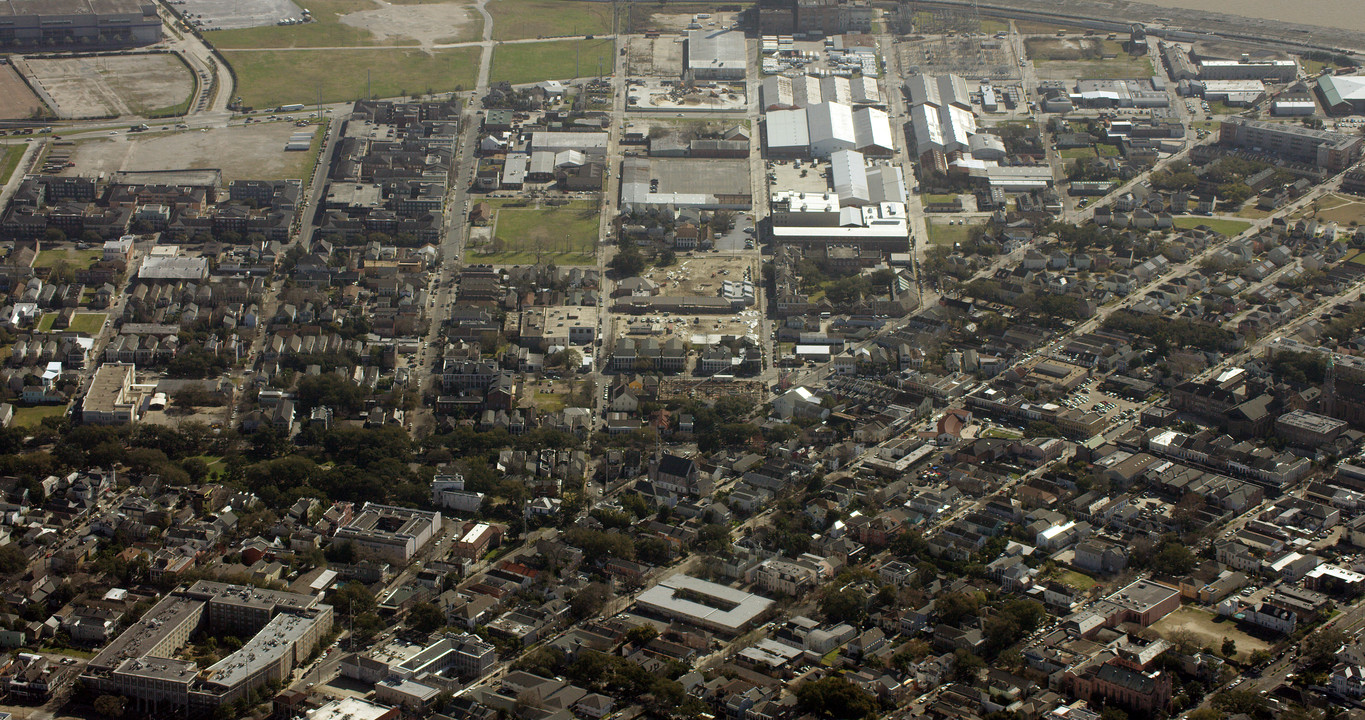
(702, 273)
(428, 24)
(654, 57)
(104, 85)
(1209, 630)
(678, 22)
(16, 100)
(254, 152)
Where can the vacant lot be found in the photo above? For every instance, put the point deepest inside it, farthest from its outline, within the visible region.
(941, 233)
(241, 152)
(16, 100)
(1209, 629)
(1340, 209)
(70, 256)
(269, 79)
(9, 160)
(103, 85)
(434, 23)
(516, 19)
(87, 323)
(1120, 68)
(33, 416)
(564, 235)
(1226, 227)
(553, 60)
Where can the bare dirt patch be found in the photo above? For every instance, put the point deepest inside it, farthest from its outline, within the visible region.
(427, 24)
(254, 152)
(17, 101)
(103, 85)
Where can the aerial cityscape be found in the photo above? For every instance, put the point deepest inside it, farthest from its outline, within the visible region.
(682, 360)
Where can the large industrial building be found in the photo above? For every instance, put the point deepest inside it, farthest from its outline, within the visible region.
(71, 24)
(820, 220)
(1343, 94)
(284, 629)
(940, 117)
(857, 183)
(781, 92)
(716, 54)
(1322, 148)
(821, 129)
(1282, 71)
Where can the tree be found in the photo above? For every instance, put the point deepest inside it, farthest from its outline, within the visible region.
(641, 635)
(835, 697)
(1320, 649)
(110, 706)
(666, 258)
(426, 617)
(590, 600)
(627, 262)
(1229, 647)
(847, 605)
(12, 560)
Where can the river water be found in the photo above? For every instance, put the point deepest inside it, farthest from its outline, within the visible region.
(1344, 14)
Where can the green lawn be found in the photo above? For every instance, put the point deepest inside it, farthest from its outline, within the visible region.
(550, 402)
(1227, 227)
(87, 323)
(45, 322)
(215, 463)
(564, 235)
(516, 19)
(9, 161)
(1106, 150)
(270, 79)
(553, 60)
(1080, 581)
(1083, 153)
(935, 198)
(944, 234)
(31, 416)
(71, 256)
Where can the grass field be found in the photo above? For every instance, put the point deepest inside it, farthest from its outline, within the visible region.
(9, 161)
(516, 19)
(1080, 581)
(934, 198)
(565, 235)
(32, 416)
(269, 79)
(553, 60)
(1209, 629)
(87, 323)
(70, 256)
(1227, 227)
(550, 402)
(1339, 209)
(1084, 153)
(45, 322)
(944, 234)
(1106, 150)
(215, 463)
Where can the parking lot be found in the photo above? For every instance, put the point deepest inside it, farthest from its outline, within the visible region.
(237, 14)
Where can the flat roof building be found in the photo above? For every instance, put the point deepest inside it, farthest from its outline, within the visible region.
(716, 54)
(389, 532)
(90, 24)
(111, 399)
(1323, 148)
(706, 604)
